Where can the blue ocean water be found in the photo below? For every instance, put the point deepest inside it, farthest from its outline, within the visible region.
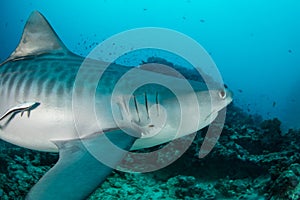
(256, 47)
(255, 44)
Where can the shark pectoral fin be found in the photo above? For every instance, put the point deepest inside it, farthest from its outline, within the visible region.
(20, 108)
(79, 171)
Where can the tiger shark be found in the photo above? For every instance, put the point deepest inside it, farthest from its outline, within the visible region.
(37, 111)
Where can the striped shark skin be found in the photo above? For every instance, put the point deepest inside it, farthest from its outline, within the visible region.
(37, 111)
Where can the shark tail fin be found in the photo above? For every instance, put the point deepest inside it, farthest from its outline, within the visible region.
(38, 38)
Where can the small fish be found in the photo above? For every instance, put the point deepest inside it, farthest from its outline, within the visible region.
(20, 108)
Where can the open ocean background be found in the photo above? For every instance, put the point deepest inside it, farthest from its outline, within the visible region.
(255, 43)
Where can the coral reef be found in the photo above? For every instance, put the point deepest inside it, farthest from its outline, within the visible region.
(253, 159)
(20, 169)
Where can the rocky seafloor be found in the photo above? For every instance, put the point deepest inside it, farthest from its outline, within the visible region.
(253, 159)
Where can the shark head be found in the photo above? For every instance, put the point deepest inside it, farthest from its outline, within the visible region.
(182, 114)
(165, 105)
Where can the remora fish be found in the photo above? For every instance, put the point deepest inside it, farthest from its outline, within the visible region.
(38, 79)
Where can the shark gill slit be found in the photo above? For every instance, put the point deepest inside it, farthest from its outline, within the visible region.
(126, 105)
(136, 108)
(157, 103)
(146, 103)
(120, 110)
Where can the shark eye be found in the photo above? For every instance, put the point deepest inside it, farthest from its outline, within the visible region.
(222, 94)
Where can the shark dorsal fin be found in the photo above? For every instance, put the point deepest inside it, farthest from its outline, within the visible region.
(38, 38)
